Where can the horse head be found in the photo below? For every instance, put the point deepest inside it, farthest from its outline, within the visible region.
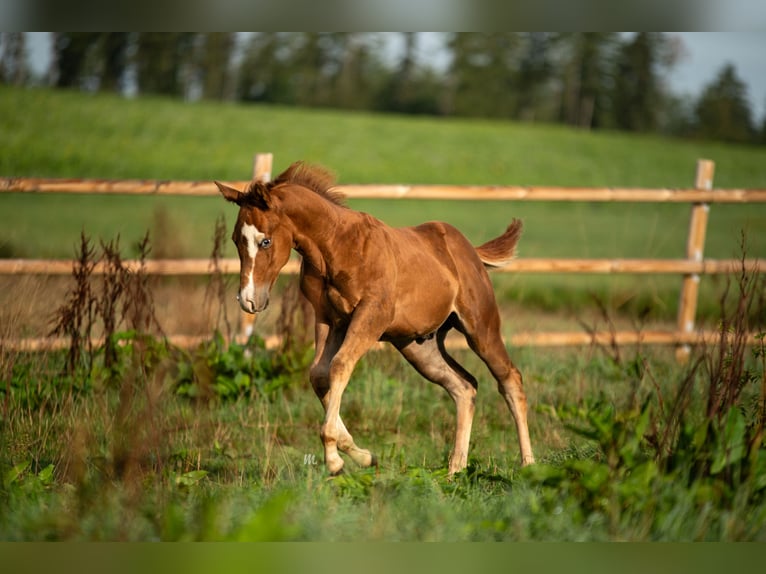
(263, 237)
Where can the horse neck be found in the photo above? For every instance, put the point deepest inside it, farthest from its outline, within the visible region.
(316, 222)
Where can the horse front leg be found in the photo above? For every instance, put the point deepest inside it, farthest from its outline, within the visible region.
(328, 342)
(360, 336)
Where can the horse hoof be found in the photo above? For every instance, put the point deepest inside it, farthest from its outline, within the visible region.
(335, 468)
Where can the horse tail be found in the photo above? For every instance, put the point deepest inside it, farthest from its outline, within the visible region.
(500, 251)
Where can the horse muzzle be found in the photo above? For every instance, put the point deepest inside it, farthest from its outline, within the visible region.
(253, 300)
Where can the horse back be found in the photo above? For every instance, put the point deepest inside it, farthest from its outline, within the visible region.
(440, 243)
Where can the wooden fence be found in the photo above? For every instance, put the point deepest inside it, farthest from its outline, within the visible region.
(700, 197)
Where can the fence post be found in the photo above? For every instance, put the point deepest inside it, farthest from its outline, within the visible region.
(262, 165)
(695, 247)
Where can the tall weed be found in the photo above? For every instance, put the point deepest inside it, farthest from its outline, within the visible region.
(697, 442)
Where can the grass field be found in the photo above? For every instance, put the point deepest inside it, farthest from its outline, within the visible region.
(157, 443)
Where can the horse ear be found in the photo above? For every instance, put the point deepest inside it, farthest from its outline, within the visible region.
(258, 195)
(229, 193)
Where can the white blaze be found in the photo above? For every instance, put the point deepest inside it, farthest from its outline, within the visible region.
(253, 238)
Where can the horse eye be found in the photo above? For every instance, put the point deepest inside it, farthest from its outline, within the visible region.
(265, 243)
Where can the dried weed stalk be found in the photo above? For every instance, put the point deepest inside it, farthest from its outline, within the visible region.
(76, 317)
(295, 321)
(215, 292)
(99, 306)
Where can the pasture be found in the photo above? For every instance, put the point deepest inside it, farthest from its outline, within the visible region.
(150, 442)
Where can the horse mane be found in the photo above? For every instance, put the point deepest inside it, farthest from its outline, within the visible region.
(314, 177)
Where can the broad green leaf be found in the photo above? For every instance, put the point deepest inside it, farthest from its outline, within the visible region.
(45, 476)
(593, 475)
(760, 471)
(190, 478)
(12, 475)
(730, 446)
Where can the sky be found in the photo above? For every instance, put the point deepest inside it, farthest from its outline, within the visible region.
(703, 56)
(708, 52)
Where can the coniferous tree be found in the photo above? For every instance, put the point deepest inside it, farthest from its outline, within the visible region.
(13, 58)
(215, 64)
(114, 50)
(482, 73)
(762, 131)
(311, 62)
(637, 95)
(398, 93)
(723, 110)
(536, 69)
(410, 87)
(264, 74)
(163, 62)
(353, 83)
(70, 53)
(586, 78)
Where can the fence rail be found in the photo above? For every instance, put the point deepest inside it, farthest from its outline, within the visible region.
(700, 197)
(533, 339)
(525, 265)
(376, 191)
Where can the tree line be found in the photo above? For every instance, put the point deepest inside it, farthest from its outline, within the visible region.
(596, 80)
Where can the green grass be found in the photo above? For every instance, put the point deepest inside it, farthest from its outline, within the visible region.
(60, 134)
(133, 460)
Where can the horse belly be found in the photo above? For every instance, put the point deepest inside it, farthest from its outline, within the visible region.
(420, 311)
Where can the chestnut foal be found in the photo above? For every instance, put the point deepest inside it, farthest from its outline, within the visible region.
(368, 282)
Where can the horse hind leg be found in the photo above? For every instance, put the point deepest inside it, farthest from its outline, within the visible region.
(487, 343)
(431, 360)
(511, 387)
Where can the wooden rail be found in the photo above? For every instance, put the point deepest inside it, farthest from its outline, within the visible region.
(701, 196)
(376, 191)
(534, 339)
(525, 265)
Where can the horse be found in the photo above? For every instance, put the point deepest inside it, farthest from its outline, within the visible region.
(369, 282)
